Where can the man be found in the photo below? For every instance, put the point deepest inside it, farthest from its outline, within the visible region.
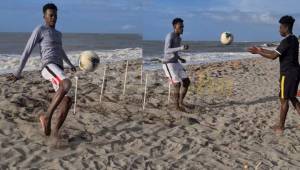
(173, 69)
(52, 57)
(287, 52)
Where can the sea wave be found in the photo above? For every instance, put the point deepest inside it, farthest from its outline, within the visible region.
(10, 62)
(154, 62)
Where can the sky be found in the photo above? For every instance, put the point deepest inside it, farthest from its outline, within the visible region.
(88, 16)
(205, 20)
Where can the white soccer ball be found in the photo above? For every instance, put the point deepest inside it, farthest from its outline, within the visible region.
(88, 61)
(226, 38)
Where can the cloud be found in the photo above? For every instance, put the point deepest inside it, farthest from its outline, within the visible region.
(128, 27)
(272, 6)
(126, 5)
(239, 16)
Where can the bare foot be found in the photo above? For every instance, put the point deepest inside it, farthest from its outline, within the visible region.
(44, 122)
(189, 106)
(278, 130)
(56, 134)
(61, 143)
(180, 108)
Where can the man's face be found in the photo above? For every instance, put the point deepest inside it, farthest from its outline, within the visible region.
(178, 28)
(283, 30)
(50, 17)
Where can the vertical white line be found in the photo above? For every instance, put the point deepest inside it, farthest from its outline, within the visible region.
(125, 79)
(145, 93)
(75, 100)
(142, 74)
(103, 81)
(169, 93)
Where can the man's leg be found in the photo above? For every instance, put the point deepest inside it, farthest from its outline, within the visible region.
(64, 108)
(284, 108)
(296, 104)
(176, 95)
(64, 87)
(185, 85)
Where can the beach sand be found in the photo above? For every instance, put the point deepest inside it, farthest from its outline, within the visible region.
(232, 106)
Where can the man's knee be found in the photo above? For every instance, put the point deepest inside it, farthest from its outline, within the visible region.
(294, 100)
(68, 101)
(66, 85)
(284, 101)
(186, 82)
(177, 85)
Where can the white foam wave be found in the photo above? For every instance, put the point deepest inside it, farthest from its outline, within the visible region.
(10, 62)
(199, 58)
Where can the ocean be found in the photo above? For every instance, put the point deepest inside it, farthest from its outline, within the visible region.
(116, 47)
(199, 52)
(109, 47)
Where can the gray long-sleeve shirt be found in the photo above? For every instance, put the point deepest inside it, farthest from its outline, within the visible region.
(50, 44)
(172, 46)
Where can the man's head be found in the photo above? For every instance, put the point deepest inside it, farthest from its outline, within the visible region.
(286, 25)
(178, 25)
(50, 14)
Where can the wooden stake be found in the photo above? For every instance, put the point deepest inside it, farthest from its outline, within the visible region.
(103, 81)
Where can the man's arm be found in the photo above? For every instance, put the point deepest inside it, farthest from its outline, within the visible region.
(185, 47)
(173, 50)
(168, 49)
(33, 40)
(264, 52)
(66, 59)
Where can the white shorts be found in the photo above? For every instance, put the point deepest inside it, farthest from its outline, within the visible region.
(55, 74)
(175, 72)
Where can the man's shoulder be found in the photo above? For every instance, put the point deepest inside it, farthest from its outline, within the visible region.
(294, 38)
(58, 32)
(170, 35)
(290, 38)
(38, 28)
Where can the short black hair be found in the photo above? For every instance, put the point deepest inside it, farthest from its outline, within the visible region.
(288, 21)
(177, 20)
(49, 6)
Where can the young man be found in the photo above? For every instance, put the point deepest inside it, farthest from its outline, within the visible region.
(52, 57)
(287, 52)
(173, 69)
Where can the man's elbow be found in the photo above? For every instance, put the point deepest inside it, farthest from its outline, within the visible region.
(168, 51)
(274, 55)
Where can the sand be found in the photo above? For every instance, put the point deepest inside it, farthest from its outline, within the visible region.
(232, 106)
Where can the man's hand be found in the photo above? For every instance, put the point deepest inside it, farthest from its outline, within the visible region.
(254, 50)
(186, 47)
(12, 77)
(73, 68)
(182, 60)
